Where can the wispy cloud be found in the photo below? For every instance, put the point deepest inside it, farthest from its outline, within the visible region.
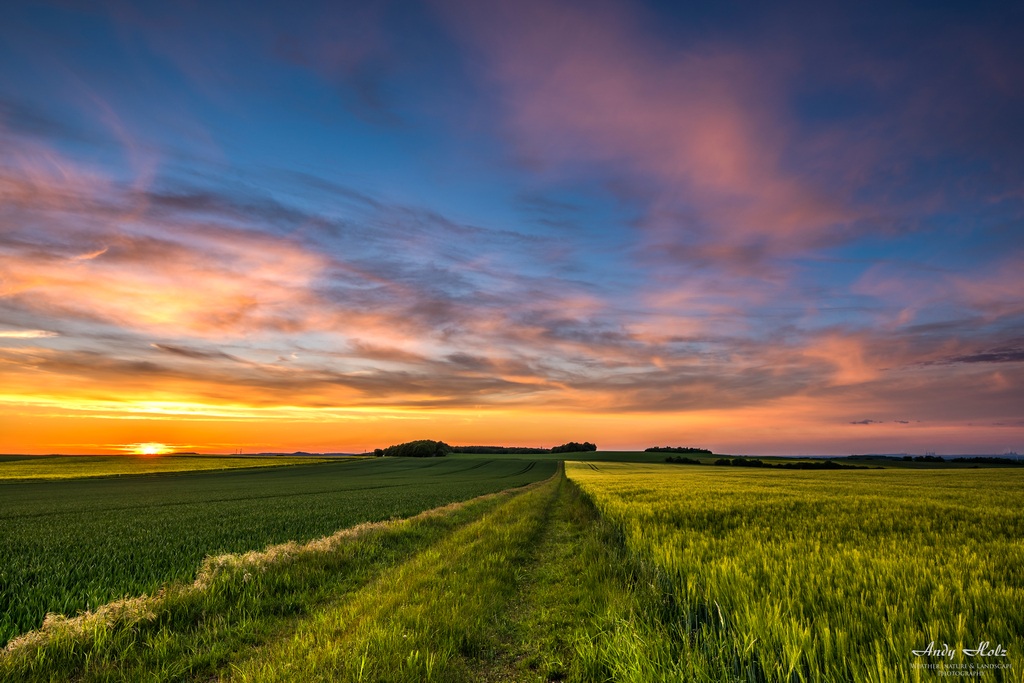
(26, 334)
(538, 209)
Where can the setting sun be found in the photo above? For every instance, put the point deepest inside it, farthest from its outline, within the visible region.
(148, 449)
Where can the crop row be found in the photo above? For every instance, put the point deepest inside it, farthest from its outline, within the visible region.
(74, 545)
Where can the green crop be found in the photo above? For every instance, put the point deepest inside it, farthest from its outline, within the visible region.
(819, 576)
(74, 545)
(77, 466)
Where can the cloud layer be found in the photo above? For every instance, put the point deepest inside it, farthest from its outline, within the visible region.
(507, 212)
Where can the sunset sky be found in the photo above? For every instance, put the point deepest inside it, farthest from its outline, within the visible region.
(774, 228)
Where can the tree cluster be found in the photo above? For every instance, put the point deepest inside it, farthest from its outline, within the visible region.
(424, 448)
(827, 465)
(573, 447)
(500, 450)
(677, 449)
(679, 460)
(988, 460)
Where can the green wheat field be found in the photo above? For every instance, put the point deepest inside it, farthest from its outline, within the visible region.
(514, 569)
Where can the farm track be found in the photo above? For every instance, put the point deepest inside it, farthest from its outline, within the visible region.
(107, 646)
(556, 600)
(74, 545)
(511, 587)
(534, 590)
(440, 614)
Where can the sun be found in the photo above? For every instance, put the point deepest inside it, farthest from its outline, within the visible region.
(150, 449)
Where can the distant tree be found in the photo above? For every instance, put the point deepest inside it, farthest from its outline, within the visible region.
(743, 462)
(573, 447)
(500, 450)
(988, 460)
(424, 448)
(677, 449)
(378, 452)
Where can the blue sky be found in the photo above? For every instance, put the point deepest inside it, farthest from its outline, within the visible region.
(749, 228)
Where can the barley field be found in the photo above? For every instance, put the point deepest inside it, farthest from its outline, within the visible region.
(821, 576)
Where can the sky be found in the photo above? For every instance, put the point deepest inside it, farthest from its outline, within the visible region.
(769, 228)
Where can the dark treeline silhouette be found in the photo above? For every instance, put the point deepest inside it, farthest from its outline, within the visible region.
(677, 449)
(573, 447)
(988, 460)
(424, 448)
(827, 465)
(499, 450)
(679, 460)
(981, 460)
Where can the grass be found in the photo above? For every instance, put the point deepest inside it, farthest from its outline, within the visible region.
(426, 619)
(78, 466)
(74, 545)
(628, 572)
(190, 631)
(525, 585)
(819, 576)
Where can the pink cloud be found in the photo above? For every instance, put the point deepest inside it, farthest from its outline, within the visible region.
(582, 84)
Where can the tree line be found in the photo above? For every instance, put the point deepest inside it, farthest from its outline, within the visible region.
(425, 448)
(677, 449)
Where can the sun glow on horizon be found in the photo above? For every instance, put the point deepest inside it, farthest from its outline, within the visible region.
(150, 448)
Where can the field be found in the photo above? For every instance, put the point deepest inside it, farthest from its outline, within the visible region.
(77, 544)
(515, 586)
(644, 457)
(77, 466)
(821, 576)
(619, 572)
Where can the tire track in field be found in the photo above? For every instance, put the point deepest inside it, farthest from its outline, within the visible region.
(473, 467)
(522, 471)
(262, 496)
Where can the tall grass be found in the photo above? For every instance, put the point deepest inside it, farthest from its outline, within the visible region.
(818, 576)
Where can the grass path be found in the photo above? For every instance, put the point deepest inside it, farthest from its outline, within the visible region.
(238, 602)
(538, 589)
(578, 594)
(433, 617)
(526, 585)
